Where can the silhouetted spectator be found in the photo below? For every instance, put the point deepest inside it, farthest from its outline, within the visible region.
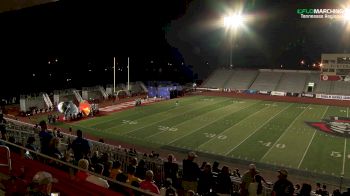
(141, 169)
(324, 190)
(336, 192)
(224, 185)
(255, 188)
(171, 170)
(305, 190)
(347, 193)
(283, 187)
(216, 167)
(191, 173)
(45, 138)
(80, 146)
(206, 181)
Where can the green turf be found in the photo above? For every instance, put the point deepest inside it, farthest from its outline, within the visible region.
(269, 132)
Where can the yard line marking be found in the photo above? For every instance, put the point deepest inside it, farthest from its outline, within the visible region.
(113, 127)
(225, 130)
(308, 146)
(343, 170)
(257, 129)
(189, 133)
(188, 111)
(285, 131)
(250, 104)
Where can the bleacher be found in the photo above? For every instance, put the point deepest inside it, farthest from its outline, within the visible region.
(267, 80)
(241, 79)
(218, 78)
(293, 82)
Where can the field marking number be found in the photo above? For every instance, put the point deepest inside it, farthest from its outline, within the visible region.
(165, 128)
(213, 135)
(268, 144)
(129, 122)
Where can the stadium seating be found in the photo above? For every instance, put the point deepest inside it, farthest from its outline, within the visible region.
(218, 78)
(267, 80)
(293, 82)
(241, 79)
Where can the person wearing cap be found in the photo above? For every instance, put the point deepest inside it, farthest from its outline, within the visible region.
(41, 184)
(247, 178)
(191, 173)
(283, 187)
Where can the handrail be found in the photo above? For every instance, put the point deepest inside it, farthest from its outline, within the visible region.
(8, 157)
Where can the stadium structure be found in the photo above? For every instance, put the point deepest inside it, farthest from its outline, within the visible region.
(274, 118)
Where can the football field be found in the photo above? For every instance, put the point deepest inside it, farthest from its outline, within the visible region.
(273, 133)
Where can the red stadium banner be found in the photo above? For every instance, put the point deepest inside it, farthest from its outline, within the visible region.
(330, 77)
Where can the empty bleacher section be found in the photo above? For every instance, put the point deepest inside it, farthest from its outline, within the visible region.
(267, 80)
(137, 88)
(323, 87)
(35, 104)
(241, 79)
(340, 87)
(292, 81)
(218, 78)
(66, 95)
(95, 93)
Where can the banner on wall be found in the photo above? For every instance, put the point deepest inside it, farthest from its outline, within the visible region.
(336, 97)
(278, 93)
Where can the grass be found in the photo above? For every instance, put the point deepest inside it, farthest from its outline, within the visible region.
(267, 132)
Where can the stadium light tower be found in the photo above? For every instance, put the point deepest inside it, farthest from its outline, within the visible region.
(232, 23)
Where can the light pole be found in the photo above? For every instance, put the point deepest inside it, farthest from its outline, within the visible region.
(232, 23)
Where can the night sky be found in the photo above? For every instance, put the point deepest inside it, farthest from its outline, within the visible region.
(165, 40)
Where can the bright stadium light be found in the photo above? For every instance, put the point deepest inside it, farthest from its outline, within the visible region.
(233, 21)
(347, 14)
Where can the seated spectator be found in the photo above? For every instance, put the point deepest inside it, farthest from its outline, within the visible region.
(216, 167)
(131, 176)
(116, 169)
(318, 189)
(148, 184)
(97, 180)
(108, 168)
(168, 189)
(53, 148)
(30, 144)
(41, 184)
(82, 174)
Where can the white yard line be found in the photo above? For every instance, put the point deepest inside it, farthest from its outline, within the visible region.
(308, 146)
(257, 129)
(195, 118)
(188, 111)
(189, 133)
(344, 157)
(284, 133)
(229, 128)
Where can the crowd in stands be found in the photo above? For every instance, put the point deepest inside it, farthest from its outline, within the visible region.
(103, 169)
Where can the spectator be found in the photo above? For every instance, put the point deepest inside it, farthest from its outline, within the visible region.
(131, 176)
(148, 184)
(318, 189)
(97, 180)
(80, 146)
(216, 167)
(82, 174)
(224, 185)
(171, 170)
(324, 190)
(336, 192)
(30, 144)
(247, 178)
(255, 188)
(116, 169)
(296, 189)
(141, 169)
(206, 181)
(347, 193)
(41, 184)
(191, 173)
(305, 190)
(53, 148)
(168, 189)
(45, 138)
(283, 187)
